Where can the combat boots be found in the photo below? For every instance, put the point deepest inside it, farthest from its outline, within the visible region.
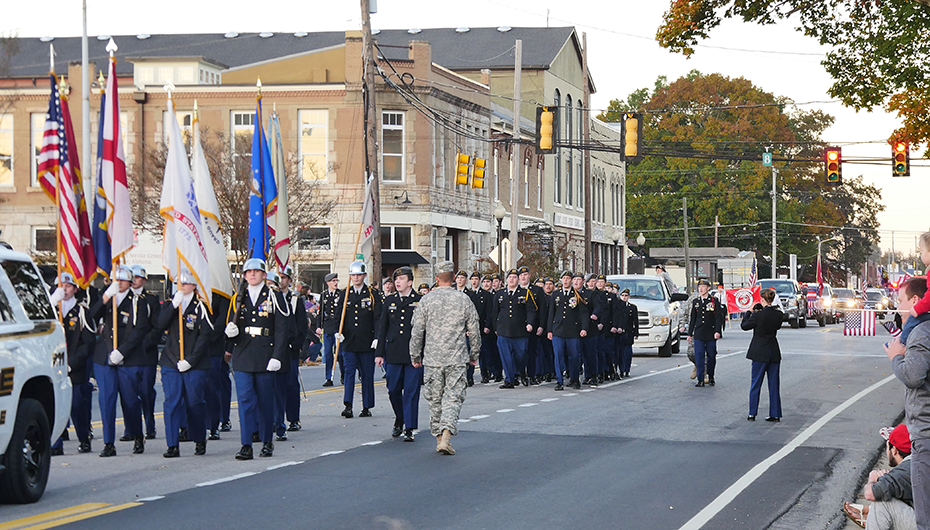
(444, 446)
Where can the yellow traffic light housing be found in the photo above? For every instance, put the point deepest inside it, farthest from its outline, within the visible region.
(631, 136)
(547, 127)
(833, 166)
(462, 166)
(477, 178)
(900, 160)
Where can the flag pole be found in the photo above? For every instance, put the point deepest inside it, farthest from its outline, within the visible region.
(345, 299)
(177, 281)
(51, 61)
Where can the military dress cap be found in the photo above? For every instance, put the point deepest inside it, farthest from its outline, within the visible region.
(589, 276)
(403, 271)
(422, 286)
(330, 277)
(273, 276)
(139, 270)
(548, 280)
(444, 267)
(461, 273)
(578, 275)
(625, 291)
(601, 277)
(387, 280)
(123, 273)
(488, 277)
(703, 281)
(254, 264)
(514, 272)
(288, 271)
(357, 267)
(475, 275)
(496, 276)
(522, 269)
(566, 273)
(66, 277)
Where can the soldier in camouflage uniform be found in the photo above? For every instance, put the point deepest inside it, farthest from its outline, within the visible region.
(438, 342)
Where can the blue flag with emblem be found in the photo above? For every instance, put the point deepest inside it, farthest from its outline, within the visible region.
(99, 233)
(263, 198)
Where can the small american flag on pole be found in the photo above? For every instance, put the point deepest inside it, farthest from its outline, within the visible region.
(752, 273)
(859, 323)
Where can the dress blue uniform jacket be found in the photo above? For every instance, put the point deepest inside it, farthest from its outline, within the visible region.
(536, 294)
(626, 317)
(483, 301)
(197, 335)
(152, 339)
(609, 301)
(80, 338)
(704, 322)
(330, 307)
(134, 323)
(363, 311)
(262, 332)
(298, 312)
(394, 328)
(512, 312)
(216, 344)
(597, 305)
(566, 318)
(764, 324)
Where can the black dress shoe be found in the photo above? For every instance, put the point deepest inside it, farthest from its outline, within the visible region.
(408, 435)
(534, 381)
(182, 435)
(397, 430)
(226, 427)
(214, 435)
(172, 452)
(577, 385)
(365, 413)
(347, 413)
(267, 449)
(65, 436)
(587, 381)
(150, 436)
(699, 384)
(139, 446)
(711, 382)
(200, 448)
(108, 450)
(58, 451)
(558, 386)
(126, 438)
(485, 380)
(294, 426)
(773, 419)
(507, 385)
(498, 379)
(751, 418)
(281, 438)
(329, 382)
(256, 438)
(245, 453)
(471, 382)
(525, 380)
(84, 447)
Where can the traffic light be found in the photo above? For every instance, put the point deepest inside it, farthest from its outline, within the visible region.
(631, 136)
(900, 160)
(547, 127)
(477, 178)
(833, 166)
(462, 163)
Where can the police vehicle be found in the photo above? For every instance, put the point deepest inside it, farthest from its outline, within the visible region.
(35, 392)
(658, 311)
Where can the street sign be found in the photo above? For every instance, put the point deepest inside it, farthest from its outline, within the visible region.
(505, 253)
(767, 159)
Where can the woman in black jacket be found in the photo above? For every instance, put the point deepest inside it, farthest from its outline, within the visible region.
(764, 320)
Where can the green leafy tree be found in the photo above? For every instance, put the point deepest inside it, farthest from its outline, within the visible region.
(880, 50)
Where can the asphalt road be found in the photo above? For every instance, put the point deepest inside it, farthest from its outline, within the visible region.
(649, 452)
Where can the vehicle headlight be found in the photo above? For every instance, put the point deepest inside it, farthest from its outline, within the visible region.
(850, 303)
(884, 301)
(878, 306)
(826, 301)
(792, 302)
(660, 321)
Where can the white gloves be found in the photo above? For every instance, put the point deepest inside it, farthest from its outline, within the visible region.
(232, 330)
(273, 365)
(112, 290)
(183, 365)
(374, 344)
(116, 357)
(57, 296)
(340, 337)
(176, 300)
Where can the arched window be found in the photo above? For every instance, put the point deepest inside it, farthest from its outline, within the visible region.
(569, 182)
(557, 173)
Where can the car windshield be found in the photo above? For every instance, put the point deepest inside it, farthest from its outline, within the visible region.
(874, 295)
(643, 288)
(843, 293)
(780, 287)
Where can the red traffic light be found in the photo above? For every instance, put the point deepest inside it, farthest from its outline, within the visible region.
(900, 160)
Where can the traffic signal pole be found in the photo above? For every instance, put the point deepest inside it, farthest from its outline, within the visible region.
(774, 217)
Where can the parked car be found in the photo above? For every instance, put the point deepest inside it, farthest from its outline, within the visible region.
(794, 302)
(845, 299)
(828, 301)
(815, 309)
(658, 311)
(35, 392)
(875, 299)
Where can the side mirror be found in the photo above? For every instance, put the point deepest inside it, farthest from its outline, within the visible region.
(679, 297)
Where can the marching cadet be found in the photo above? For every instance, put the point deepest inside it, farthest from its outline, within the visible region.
(184, 375)
(298, 311)
(490, 341)
(80, 339)
(149, 369)
(496, 282)
(116, 361)
(482, 300)
(257, 332)
(605, 354)
(358, 342)
(273, 280)
(568, 322)
(513, 314)
(548, 368)
(535, 295)
(704, 330)
(589, 344)
(403, 380)
(625, 326)
(328, 326)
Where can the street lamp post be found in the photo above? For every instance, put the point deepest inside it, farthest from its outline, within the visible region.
(617, 235)
(819, 243)
(499, 213)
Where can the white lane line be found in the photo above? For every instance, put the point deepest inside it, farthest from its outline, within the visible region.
(548, 400)
(588, 390)
(226, 479)
(149, 499)
(526, 405)
(725, 498)
(570, 394)
(285, 464)
(660, 372)
(330, 453)
(463, 420)
(479, 417)
(505, 410)
(376, 442)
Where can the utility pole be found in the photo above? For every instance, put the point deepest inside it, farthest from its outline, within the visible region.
(517, 158)
(371, 137)
(586, 138)
(623, 252)
(774, 209)
(684, 209)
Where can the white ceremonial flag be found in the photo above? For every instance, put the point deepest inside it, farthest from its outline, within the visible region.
(368, 222)
(213, 240)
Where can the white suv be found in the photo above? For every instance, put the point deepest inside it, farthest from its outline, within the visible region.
(35, 392)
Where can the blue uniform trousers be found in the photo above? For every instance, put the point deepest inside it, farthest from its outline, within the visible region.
(90, 390)
(610, 353)
(148, 397)
(184, 391)
(130, 398)
(214, 392)
(760, 371)
(280, 401)
(512, 350)
(488, 359)
(566, 349)
(528, 366)
(255, 392)
(470, 369)
(364, 363)
(601, 353)
(292, 392)
(403, 383)
(589, 348)
(107, 391)
(705, 358)
(329, 347)
(626, 357)
(546, 357)
(78, 414)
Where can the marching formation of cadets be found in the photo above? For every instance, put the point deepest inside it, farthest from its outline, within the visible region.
(576, 330)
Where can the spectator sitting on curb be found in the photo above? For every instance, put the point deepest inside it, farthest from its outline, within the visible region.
(890, 491)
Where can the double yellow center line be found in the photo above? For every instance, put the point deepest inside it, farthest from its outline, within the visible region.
(65, 516)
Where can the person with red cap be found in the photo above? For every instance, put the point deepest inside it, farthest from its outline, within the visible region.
(890, 491)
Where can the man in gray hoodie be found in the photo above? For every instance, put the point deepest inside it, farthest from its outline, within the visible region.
(911, 365)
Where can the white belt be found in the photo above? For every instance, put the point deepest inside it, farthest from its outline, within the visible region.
(255, 331)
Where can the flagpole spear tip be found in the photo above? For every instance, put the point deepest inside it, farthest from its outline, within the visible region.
(112, 47)
(51, 58)
(169, 88)
(258, 84)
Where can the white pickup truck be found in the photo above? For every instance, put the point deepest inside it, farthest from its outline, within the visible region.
(35, 392)
(658, 311)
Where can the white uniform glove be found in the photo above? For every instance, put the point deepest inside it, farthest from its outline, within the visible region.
(57, 296)
(183, 365)
(273, 365)
(374, 344)
(112, 290)
(176, 300)
(340, 337)
(116, 357)
(232, 330)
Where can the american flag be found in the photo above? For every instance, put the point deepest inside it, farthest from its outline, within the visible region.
(752, 273)
(859, 323)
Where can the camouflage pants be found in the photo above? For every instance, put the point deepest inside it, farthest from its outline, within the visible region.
(444, 390)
